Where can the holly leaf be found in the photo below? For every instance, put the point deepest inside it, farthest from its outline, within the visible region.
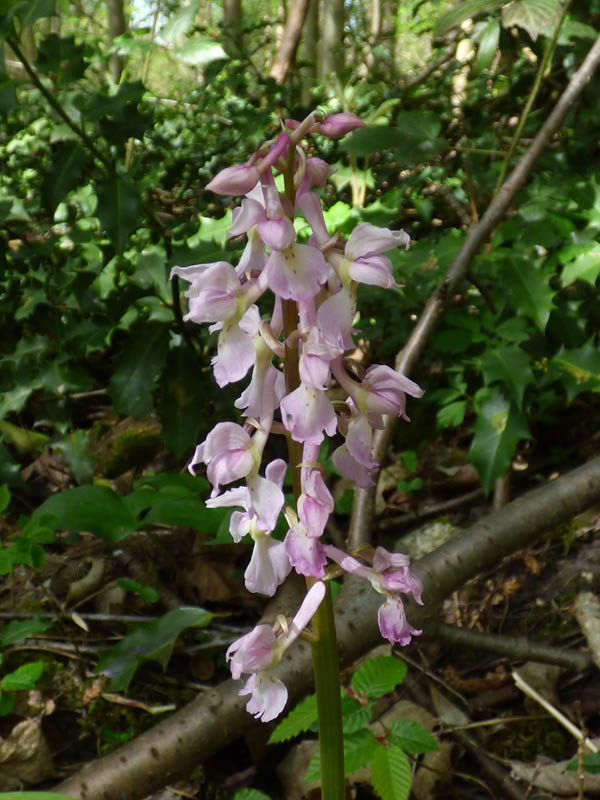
(511, 366)
(500, 426)
(118, 210)
(531, 291)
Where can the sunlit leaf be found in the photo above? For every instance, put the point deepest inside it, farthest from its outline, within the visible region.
(390, 772)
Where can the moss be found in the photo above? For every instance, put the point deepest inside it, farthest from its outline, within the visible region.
(527, 740)
(130, 444)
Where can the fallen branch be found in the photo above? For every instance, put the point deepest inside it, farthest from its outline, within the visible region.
(173, 748)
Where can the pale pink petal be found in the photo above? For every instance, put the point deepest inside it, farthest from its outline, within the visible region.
(267, 501)
(306, 413)
(253, 652)
(235, 354)
(351, 468)
(310, 205)
(306, 612)
(335, 317)
(239, 179)
(297, 272)
(369, 240)
(305, 553)
(245, 217)
(315, 504)
(359, 441)
(278, 149)
(336, 125)
(393, 624)
(277, 234)
(374, 270)
(268, 696)
(269, 565)
(349, 564)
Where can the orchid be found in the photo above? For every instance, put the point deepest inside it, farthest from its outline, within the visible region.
(295, 357)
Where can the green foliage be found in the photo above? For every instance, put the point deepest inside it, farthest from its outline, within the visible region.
(149, 641)
(250, 794)
(591, 763)
(374, 679)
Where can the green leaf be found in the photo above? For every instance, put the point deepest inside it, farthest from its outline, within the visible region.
(300, 719)
(582, 263)
(23, 678)
(415, 137)
(378, 676)
(29, 10)
(487, 37)
(148, 593)
(132, 385)
(354, 715)
(7, 702)
(359, 748)
(591, 763)
(8, 100)
(531, 291)
(250, 794)
(33, 796)
(96, 509)
(580, 367)
(149, 641)
(511, 366)
(200, 51)
(452, 415)
(185, 511)
(68, 161)
(390, 773)
(500, 426)
(181, 396)
(75, 449)
(18, 630)
(534, 16)
(4, 498)
(412, 737)
(463, 11)
(173, 33)
(61, 57)
(118, 210)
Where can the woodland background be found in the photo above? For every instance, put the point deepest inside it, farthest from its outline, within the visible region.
(113, 117)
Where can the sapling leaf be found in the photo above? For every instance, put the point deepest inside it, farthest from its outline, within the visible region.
(378, 676)
(354, 715)
(250, 794)
(451, 415)
(18, 630)
(390, 772)
(412, 737)
(23, 678)
(591, 764)
(359, 748)
(300, 719)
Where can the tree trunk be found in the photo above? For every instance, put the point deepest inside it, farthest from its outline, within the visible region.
(286, 53)
(117, 25)
(233, 28)
(332, 38)
(309, 54)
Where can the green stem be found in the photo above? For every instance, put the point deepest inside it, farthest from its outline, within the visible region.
(324, 648)
(531, 99)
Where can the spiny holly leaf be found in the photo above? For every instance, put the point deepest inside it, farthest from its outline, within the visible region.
(534, 16)
(132, 385)
(62, 57)
(390, 772)
(68, 161)
(118, 210)
(581, 369)
(300, 719)
(500, 426)
(531, 291)
(582, 263)
(510, 365)
(149, 641)
(379, 676)
(412, 737)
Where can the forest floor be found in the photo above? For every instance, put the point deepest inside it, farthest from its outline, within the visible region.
(495, 741)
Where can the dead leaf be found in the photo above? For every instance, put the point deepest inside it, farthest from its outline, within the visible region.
(25, 756)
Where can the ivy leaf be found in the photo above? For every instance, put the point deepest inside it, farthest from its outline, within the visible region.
(118, 210)
(132, 385)
(500, 426)
(378, 676)
(390, 772)
(534, 16)
(149, 641)
(510, 365)
(412, 737)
